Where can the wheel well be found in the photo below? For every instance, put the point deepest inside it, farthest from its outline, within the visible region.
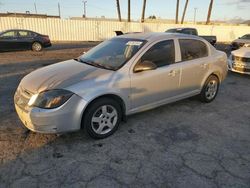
(37, 42)
(111, 96)
(217, 75)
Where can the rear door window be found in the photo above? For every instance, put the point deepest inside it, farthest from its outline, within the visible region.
(192, 49)
(23, 33)
(32, 34)
(161, 54)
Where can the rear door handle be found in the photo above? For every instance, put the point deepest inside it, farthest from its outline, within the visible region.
(172, 73)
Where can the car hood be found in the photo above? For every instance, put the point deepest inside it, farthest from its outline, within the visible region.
(61, 75)
(242, 52)
(242, 41)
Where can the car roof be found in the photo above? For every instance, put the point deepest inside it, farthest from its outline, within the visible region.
(18, 30)
(181, 28)
(157, 36)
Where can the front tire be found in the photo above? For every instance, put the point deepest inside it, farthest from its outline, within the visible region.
(210, 89)
(102, 118)
(36, 46)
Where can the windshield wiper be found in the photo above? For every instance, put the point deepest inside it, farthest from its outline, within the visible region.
(94, 64)
(104, 66)
(86, 62)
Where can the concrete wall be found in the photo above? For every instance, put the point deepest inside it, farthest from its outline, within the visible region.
(95, 30)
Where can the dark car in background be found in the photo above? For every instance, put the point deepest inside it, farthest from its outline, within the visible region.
(18, 39)
(240, 42)
(192, 31)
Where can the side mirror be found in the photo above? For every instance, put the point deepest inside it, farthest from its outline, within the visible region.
(145, 66)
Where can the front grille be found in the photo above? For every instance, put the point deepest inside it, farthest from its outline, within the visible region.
(241, 69)
(22, 97)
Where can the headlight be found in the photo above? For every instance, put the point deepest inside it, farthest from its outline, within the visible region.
(50, 99)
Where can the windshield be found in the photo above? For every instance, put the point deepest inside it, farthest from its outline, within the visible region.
(173, 31)
(1, 32)
(112, 54)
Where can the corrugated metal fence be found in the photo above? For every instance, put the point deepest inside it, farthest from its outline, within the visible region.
(95, 30)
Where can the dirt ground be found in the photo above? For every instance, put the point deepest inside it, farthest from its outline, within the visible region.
(184, 144)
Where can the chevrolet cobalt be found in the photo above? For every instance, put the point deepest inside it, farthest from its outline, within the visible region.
(121, 76)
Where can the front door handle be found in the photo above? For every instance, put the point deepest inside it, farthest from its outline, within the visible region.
(204, 65)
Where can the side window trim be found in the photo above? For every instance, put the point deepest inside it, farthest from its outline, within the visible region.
(177, 51)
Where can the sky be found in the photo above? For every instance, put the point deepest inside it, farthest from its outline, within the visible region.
(222, 9)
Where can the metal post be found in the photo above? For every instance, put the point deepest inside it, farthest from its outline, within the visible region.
(84, 4)
(59, 10)
(195, 9)
(35, 8)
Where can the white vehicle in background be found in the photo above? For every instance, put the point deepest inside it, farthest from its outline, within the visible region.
(239, 60)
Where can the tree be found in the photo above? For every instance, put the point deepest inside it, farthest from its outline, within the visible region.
(184, 12)
(118, 10)
(152, 17)
(177, 11)
(128, 10)
(143, 11)
(209, 11)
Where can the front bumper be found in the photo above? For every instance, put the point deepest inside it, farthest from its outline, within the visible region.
(242, 68)
(65, 118)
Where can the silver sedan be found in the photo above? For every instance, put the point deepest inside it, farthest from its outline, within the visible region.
(121, 76)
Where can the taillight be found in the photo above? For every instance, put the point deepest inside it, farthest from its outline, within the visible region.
(46, 38)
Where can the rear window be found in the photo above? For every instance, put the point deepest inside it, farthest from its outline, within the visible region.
(183, 31)
(189, 31)
(23, 33)
(26, 34)
(246, 37)
(192, 49)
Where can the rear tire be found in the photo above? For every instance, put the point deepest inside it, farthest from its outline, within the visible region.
(210, 89)
(36, 46)
(102, 118)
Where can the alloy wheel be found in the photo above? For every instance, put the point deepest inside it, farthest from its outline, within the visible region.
(104, 119)
(36, 46)
(211, 89)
